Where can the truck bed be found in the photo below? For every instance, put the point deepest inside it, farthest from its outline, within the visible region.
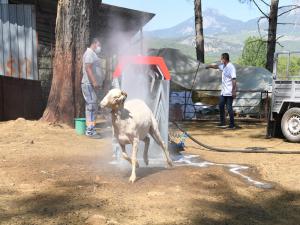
(285, 91)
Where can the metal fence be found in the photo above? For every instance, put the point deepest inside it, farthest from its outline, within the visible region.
(20, 98)
(18, 41)
(247, 104)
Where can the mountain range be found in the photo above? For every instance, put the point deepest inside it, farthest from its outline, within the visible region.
(223, 34)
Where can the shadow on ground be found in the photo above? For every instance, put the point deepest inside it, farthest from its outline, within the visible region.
(66, 204)
(217, 199)
(209, 127)
(264, 207)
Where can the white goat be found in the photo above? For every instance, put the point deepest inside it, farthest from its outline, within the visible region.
(132, 122)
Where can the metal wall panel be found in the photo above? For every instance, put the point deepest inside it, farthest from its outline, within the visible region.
(6, 40)
(34, 44)
(1, 45)
(18, 41)
(13, 28)
(28, 42)
(20, 98)
(21, 41)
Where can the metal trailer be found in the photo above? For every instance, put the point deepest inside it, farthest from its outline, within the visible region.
(284, 115)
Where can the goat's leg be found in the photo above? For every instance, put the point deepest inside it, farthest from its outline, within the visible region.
(147, 143)
(154, 132)
(124, 154)
(133, 159)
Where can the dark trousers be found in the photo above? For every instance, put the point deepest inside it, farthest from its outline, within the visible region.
(226, 100)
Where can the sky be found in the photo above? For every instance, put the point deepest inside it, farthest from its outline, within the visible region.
(172, 12)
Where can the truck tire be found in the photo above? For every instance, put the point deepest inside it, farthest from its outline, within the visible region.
(290, 125)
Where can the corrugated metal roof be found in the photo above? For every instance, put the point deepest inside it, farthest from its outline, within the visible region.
(112, 21)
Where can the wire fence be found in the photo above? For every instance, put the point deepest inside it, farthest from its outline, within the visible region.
(203, 104)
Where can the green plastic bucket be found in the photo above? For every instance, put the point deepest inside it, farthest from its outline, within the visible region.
(80, 125)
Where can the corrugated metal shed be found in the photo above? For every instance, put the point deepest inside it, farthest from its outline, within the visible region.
(110, 21)
(18, 41)
(116, 26)
(24, 23)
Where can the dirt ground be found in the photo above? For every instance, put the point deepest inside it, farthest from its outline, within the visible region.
(50, 175)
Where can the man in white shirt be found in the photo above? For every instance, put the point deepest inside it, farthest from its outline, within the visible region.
(90, 84)
(228, 92)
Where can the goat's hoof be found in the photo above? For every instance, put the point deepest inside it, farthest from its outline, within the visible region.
(170, 163)
(146, 162)
(137, 165)
(132, 179)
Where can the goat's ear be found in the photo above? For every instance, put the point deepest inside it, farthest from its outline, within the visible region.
(124, 93)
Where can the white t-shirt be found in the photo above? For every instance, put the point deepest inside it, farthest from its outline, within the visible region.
(228, 73)
(90, 57)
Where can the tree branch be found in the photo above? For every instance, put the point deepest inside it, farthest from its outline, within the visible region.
(297, 24)
(297, 7)
(279, 37)
(287, 6)
(258, 25)
(279, 44)
(267, 4)
(260, 9)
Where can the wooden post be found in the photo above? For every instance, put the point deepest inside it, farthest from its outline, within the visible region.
(271, 46)
(199, 31)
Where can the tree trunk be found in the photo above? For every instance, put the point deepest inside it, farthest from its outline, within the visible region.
(272, 34)
(73, 32)
(199, 31)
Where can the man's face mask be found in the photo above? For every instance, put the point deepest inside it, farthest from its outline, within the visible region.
(98, 50)
(222, 61)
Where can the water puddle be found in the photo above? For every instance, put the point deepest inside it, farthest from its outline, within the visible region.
(195, 160)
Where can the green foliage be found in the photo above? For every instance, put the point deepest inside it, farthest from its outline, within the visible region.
(294, 66)
(254, 52)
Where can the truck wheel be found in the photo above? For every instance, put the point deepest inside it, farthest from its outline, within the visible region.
(290, 124)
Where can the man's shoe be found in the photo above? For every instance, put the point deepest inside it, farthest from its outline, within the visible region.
(92, 133)
(230, 128)
(220, 125)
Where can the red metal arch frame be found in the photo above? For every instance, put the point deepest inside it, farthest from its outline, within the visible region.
(143, 60)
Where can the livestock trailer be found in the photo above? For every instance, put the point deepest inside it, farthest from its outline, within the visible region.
(284, 116)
